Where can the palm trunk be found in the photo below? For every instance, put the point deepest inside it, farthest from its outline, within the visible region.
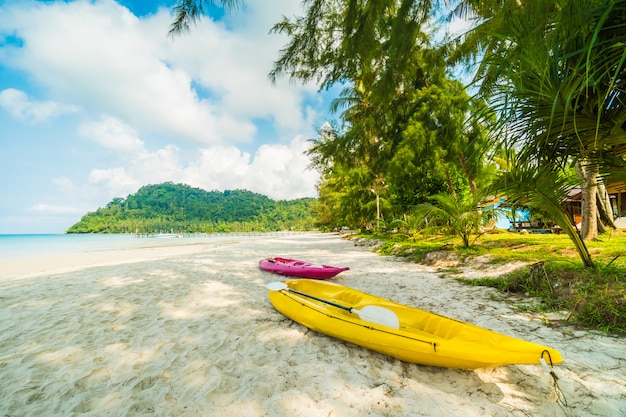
(589, 208)
(579, 243)
(605, 211)
(450, 183)
(470, 178)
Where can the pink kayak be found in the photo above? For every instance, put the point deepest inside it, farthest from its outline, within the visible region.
(296, 268)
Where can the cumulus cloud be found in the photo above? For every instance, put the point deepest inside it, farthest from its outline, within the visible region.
(198, 109)
(18, 105)
(114, 179)
(278, 171)
(112, 133)
(281, 170)
(205, 87)
(55, 210)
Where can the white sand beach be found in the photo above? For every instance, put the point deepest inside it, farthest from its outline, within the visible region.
(187, 330)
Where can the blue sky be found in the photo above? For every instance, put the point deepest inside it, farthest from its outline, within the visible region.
(96, 101)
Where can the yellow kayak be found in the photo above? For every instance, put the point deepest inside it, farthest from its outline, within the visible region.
(406, 333)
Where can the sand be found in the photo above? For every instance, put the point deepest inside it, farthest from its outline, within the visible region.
(190, 332)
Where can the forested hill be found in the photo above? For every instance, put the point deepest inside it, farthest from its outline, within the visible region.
(180, 208)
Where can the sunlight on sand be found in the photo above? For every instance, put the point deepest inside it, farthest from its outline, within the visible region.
(189, 332)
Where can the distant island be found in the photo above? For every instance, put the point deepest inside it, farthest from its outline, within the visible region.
(179, 208)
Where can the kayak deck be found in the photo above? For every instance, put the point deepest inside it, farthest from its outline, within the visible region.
(297, 268)
(423, 337)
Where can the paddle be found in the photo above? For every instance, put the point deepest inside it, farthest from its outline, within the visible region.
(373, 314)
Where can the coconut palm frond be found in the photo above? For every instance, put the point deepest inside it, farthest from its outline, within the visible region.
(451, 215)
(543, 190)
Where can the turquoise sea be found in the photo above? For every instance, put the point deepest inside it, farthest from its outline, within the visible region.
(24, 246)
(29, 245)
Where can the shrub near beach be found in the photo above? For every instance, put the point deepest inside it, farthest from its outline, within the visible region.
(548, 271)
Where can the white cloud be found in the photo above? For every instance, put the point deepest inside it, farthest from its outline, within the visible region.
(18, 105)
(115, 182)
(55, 210)
(281, 170)
(206, 86)
(112, 133)
(278, 171)
(198, 109)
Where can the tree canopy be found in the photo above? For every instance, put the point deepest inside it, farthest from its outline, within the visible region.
(547, 96)
(177, 207)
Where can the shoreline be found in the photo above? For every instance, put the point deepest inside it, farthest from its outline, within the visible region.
(34, 266)
(189, 331)
(141, 249)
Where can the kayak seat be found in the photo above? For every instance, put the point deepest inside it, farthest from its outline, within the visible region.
(439, 327)
(348, 298)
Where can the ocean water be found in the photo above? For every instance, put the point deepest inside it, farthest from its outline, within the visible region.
(25, 246)
(30, 245)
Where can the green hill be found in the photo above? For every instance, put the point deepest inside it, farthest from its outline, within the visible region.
(184, 209)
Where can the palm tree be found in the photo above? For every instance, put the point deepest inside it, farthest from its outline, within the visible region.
(543, 190)
(452, 215)
(401, 110)
(555, 74)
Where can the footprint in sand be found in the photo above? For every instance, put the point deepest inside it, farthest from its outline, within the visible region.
(146, 383)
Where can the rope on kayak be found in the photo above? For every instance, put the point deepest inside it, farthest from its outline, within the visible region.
(556, 391)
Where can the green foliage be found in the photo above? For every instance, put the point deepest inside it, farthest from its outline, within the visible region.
(543, 190)
(561, 71)
(593, 297)
(452, 215)
(553, 278)
(403, 130)
(181, 208)
(555, 74)
(412, 250)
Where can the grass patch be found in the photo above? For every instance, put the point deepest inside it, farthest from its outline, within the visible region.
(554, 275)
(414, 251)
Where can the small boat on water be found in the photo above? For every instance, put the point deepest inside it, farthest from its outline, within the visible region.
(296, 268)
(406, 333)
(168, 235)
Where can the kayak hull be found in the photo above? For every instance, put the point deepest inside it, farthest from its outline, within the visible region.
(423, 337)
(297, 268)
